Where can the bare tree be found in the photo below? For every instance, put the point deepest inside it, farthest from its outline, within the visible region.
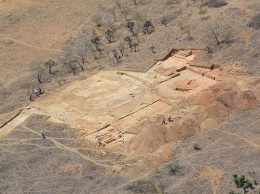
(164, 21)
(126, 11)
(221, 34)
(97, 19)
(135, 45)
(96, 40)
(129, 40)
(119, 4)
(121, 48)
(116, 55)
(185, 29)
(135, 2)
(202, 10)
(40, 69)
(80, 56)
(69, 61)
(152, 48)
(112, 11)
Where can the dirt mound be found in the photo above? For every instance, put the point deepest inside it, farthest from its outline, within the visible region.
(181, 129)
(210, 108)
(146, 141)
(246, 100)
(222, 98)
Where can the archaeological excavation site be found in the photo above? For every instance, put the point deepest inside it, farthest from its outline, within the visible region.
(129, 97)
(109, 105)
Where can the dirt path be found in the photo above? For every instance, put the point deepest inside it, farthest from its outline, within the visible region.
(28, 45)
(67, 148)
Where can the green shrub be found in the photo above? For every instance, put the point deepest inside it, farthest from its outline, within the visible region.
(196, 146)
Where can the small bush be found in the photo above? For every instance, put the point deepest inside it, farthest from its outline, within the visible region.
(97, 19)
(172, 168)
(255, 22)
(196, 146)
(142, 186)
(170, 2)
(215, 3)
(232, 192)
(209, 49)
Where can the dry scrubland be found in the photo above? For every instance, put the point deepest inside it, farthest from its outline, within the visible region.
(215, 134)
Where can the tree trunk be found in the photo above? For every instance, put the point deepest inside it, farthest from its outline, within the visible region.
(81, 66)
(39, 77)
(50, 72)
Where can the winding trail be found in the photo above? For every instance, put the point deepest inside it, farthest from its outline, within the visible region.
(67, 148)
(28, 45)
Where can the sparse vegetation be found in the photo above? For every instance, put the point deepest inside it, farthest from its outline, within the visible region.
(171, 2)
(121, 48)
(172, 168)
(135, 2)
(142, 186)
(49, 64)
(209, 49)
(27, 86)
(69, 62)
(135, 45)
(40, 70)
(98, 20)
(152, 48)
(119, 4)
(196, 146)
(80, 56)
(148, 27)
(125, 10)
(129, 40)
(215, 3)
(116, 55)
(130, 25)
(3, 90)
(242, 182)
(255, 22)
(202, 10)
(109, 35)
(96, 40)
(112, 11)
(185, 29)
(221, 34)
(164, 21)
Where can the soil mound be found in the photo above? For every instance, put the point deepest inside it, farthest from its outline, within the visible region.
(222, 98)
(146, 141)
